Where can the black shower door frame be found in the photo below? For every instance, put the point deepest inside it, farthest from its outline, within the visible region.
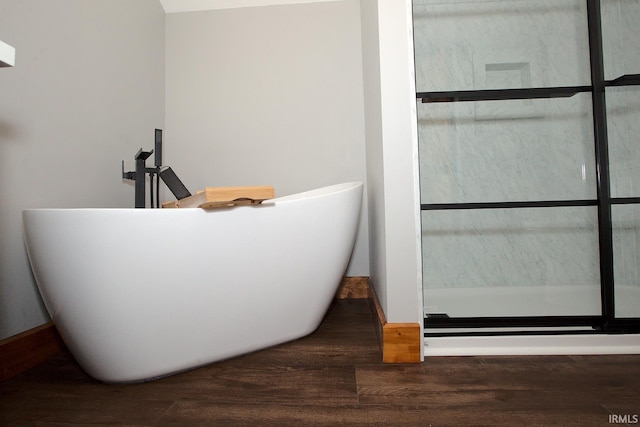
(607, 322)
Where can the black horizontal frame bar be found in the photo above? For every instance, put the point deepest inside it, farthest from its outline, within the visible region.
(625, 200)
(623, 325)
(626, 80)
(525, 204)
(521, 93)
(597, 324)
(502, 94)
(511, 333)
(521, 333)
(508, 205)
(513, 322)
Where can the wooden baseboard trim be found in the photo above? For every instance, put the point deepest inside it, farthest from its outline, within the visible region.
(28, 349)
(400, 342)
(353, 287)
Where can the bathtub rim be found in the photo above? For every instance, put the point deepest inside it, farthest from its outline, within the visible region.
(316, 192)
(303, 195)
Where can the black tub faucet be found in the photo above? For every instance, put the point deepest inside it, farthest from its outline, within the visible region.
(140, 175)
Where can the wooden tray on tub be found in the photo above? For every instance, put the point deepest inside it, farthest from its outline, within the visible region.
(224, 197)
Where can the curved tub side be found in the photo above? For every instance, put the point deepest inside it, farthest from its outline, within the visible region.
(138, 294)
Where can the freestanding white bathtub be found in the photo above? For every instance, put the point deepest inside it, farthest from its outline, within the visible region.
(143, 293)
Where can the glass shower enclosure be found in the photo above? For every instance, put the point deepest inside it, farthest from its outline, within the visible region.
(529, 142)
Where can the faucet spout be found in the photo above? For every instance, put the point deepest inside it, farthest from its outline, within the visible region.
(141, 172)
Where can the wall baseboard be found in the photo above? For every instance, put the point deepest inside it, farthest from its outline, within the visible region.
(399, 342)
(353, 287)
(28, 349)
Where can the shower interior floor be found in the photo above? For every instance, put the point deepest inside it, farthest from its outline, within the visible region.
(505, 301)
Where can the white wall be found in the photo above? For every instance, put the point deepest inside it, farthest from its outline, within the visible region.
(268, 95)
(392, 161)
(87, 91)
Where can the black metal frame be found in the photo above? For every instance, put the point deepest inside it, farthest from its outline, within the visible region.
(526, 93)
(606, 322)
(140, 174)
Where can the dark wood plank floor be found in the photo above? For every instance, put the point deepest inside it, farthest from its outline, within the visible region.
(334, 377)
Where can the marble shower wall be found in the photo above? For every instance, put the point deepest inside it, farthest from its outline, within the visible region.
(476, 44)
(496, 151)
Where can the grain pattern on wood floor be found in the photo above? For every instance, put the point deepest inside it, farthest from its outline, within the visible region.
(335, 377)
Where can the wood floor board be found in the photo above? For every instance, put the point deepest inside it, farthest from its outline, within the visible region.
(441, 378)
(192, 413)
(81, 410)
(226, 383)
(499, 399)
(335, 377)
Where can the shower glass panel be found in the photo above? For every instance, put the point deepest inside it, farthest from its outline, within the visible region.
(623, 119)
(506, 262)
(623, 113)
(621, 51)
(620, 39)
(511, 262)
(476, 44)
(514, 150)
(529, 130)
(626, 266)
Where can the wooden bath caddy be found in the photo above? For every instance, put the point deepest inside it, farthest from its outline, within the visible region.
(223, 197)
